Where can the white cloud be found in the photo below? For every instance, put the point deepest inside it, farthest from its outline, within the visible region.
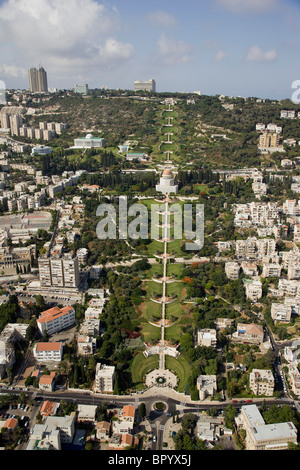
(254, 6)
(220, 55)
(256, 54)
(13, 70)
(174, 51)
(161, 18)
(61, 34)
(114, 49)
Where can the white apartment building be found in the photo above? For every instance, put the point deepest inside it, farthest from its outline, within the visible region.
(296, 233)
(292, 353)
(86, 345)
(261, 382)
(54, 432)
(207, 337)
(207, 386)
(253, 248)
(291, 207)
(281, 312)
(232, 270)
(271, 270)
(288, 114)
(249, 268)
(104, 379)
(86, 413)
(294, 303)
(261, 436)
(48, 352)
(294, 271)
(294, 379)
(253, 289)
(288, 288)
(260, 189)
(59, 271)
(246, 248)
(125, 422)
(56, 319)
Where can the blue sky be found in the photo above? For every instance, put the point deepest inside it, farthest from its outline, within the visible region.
(231, 47)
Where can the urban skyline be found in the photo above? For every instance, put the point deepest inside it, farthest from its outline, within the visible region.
(231, 47)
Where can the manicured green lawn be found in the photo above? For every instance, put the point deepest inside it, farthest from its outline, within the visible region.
(175, 288)
(155, 268)
(181, 368)
(173, 332)
(151, 309)
(155, 246)
(174, 268)
(175, 246)
(153, 287)
(150, 332)
(141, 365)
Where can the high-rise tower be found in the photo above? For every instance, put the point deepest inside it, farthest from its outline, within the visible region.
(38, 80)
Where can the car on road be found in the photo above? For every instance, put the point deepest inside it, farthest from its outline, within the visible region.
(154, 438)
(248, 401)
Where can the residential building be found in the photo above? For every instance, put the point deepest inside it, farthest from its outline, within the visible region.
(261, 382)
(207, 386)
(48, 352)
(249, 333)
(249, 268)
(271, 270)
(125, 422)
(86, 413)
(291, 353)
(253, 289)
(86, 345)
(56, 319)
(55, 432)
(12, 334)
(15, 124)
(262, 436)
(82, 255)
(103, 431)
(232, 270)
(49, 408)
(38, 80)
(294, 379)
(47, 382)
(269, 141)
(104, 379)
(281, 312)
(294, 271)
(122, 441)
(207, 337)
(287, 114)
(59, 271)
